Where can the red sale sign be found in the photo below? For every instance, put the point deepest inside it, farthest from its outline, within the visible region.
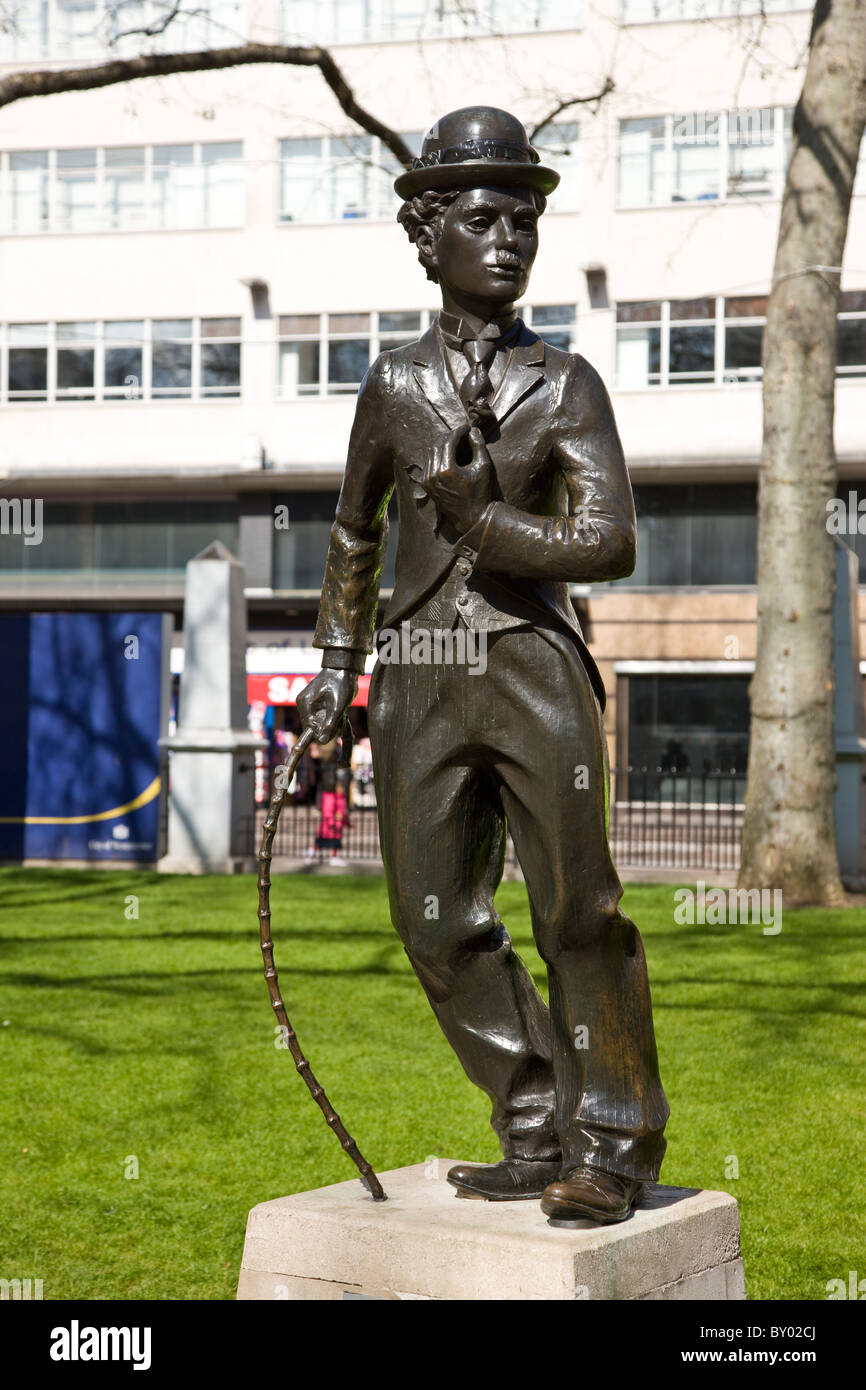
(283, 689)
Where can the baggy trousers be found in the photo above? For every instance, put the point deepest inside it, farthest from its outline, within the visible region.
(456, 755)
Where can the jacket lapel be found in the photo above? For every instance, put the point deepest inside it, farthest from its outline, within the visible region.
(525, 369)
(432, 375)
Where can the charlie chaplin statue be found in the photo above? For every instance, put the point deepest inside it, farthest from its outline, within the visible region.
(511, 483)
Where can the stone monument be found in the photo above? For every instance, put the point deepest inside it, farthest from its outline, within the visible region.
(212, 753)
(511, 484)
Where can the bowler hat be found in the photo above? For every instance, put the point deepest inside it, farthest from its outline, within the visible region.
(472, 146)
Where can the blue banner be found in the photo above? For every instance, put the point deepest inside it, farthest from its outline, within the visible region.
(80, 710)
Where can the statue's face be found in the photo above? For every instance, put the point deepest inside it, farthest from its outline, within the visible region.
(486, 244)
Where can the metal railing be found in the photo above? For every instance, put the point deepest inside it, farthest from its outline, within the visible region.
(658, 820)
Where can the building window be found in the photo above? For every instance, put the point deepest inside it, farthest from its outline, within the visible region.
(328, 354)
(378, 21)
(656, 11)
(555, 323)
(301, 549)
(703, 156)
(62, 29)
(122, 360)
(695, 535)
(339, 178)
(138, 187)
(851, 334)
(687, 727)
(559, 146)
(715, 341)
(133, 536)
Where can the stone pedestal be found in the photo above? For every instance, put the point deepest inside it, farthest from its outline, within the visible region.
(426, 1243)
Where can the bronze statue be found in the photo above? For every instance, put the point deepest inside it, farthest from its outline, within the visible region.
(511, 483)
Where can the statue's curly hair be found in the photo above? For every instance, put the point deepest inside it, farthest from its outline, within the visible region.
(428, 208)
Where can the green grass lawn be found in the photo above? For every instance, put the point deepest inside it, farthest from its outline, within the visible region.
(153, 1038)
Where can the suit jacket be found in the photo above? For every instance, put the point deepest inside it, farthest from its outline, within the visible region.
(563, 509)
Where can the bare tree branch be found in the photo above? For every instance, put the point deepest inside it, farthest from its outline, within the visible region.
(561, 106)
(17, 86)
(158, 26)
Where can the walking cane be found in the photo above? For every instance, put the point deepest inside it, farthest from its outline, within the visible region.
(284, 775)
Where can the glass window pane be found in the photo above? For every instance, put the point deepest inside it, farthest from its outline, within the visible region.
(638, 357)
(124, 328)
(220, 328)
(852, 302)
(350, 176)
(724, 549)
(642, 311)
(559, 147)
(124, 187)
(123, 371)
(221, 368)
(686, 726)
(300, 553)
(692, 350)
(172, 368)
(76, 332)
(851, 344)
(347, 363)
(177, 187)
(28, 372)
(751, 153)
(223, 180)
(76, 28)
(28, 189)
(304, 181)
(402, 322)
(172, 328)
(299, 325)
(692, 309)
(168, 156)
(299, 368)
(349, 323)
(641, 162)
(743, 350)
(75, 372)
(695, 172)
(746, 307)
(76, 190)
(556, 314)
(28, 334)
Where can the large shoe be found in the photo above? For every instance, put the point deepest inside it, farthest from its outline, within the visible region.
(591, 1193)
(512, 1180)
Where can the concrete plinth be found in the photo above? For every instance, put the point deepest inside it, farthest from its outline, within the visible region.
(426, 1243)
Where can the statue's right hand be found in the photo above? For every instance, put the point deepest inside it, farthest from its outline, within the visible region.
(323, 703)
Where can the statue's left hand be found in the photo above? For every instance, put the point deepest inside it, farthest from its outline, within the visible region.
(460, 490)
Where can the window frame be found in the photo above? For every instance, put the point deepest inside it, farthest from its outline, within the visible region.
(142, 393)
(51, 224)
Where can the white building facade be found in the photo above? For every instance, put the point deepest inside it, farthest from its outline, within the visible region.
(198, 269)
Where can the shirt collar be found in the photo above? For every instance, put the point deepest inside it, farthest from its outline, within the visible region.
(456, 331)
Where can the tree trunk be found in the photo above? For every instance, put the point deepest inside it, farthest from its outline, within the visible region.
(788, 834)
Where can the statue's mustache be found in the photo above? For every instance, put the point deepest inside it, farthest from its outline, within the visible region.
(508, 260)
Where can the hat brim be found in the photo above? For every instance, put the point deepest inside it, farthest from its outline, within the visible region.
(476, 173)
